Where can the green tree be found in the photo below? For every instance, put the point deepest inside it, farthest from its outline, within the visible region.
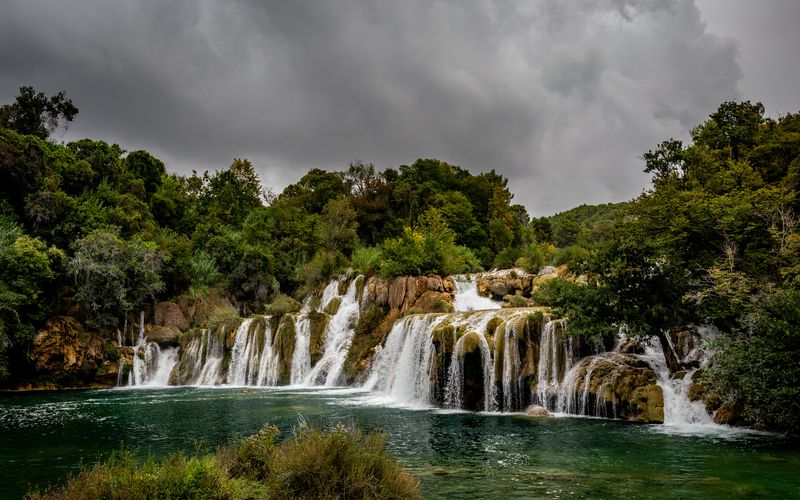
(33, 113)
(114, 276)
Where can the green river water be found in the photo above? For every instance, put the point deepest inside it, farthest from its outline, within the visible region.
(45, 436)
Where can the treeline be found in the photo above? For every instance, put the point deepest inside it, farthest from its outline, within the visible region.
(91, 230)
(715, 242)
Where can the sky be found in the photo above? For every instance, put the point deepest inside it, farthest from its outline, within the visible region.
(560, 97)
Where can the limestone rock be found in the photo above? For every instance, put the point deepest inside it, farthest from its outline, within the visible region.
(397, 292)
(536, 411)
(433, 302)
(162, 334)
(377, 290)
(434, 283)
(170, 314)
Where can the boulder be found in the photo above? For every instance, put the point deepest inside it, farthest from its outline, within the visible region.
(397, 292)
(536, 411)
(434, 283)
(162, 334)
(377, 290)
(433, 302)
(498, 289)
(170, 314)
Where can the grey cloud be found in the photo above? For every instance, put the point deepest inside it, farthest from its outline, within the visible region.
(561, 97)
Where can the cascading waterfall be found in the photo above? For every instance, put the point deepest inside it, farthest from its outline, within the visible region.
(407, 367)
(152, 366)
(203, 360)
(253, 360)
(467, 298)
(512, 367)
(678, 409)
(338, 337)
(402, 367)
(301, 357)
(555, 358)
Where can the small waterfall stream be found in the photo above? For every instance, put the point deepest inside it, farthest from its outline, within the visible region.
(467, 298)
(152, 365)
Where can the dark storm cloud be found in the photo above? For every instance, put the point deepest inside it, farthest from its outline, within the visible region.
(561, 97)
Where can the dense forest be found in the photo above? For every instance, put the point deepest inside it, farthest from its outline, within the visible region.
(90, 230)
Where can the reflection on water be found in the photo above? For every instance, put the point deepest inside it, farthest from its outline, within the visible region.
(44, 436)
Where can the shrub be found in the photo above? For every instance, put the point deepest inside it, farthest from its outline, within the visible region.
(282, 304)
(574, 256)
(224, 316)
(367, 260)
(340, 463)
(321, 268)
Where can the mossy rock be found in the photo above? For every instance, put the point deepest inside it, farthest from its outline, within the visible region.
(319, 323)
(432, 302)
(332, 306)
(471, 342)
(444, 337)
(492, 325)
(284, 344)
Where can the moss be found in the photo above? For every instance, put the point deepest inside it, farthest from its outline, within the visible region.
(284, 344)
(444, 336)
(319, 323)
(282, 304)
(333, 305)
(491, 326)
(368, 333)
(110, 351)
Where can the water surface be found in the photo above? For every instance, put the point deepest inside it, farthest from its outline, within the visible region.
(45, 436)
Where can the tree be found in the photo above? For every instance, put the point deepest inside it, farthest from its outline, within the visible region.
(32, 113)
(114, 276)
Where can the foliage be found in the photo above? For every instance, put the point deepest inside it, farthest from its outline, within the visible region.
(428, 248)
(34, 114)
(282, 304)
(339, 463)
(367, 260)
(757, 366)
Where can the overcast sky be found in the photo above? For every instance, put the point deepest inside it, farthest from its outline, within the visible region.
(560, 97)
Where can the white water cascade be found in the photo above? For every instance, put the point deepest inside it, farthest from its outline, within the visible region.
(338, 337)
(253, 360)
(203, 359)
(678, 409)
(467, 297)
(401, 368)
(152, 366)
(556, 357)
(475, 328)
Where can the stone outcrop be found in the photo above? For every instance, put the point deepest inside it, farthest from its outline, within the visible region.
(536, 411)
(410, 294)
(619, 386)
(66, 355)
(170, 314)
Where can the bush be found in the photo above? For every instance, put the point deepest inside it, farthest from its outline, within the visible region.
(367, 260)
(574, 256)
(340, 463)
(282, 304)
(224, 316)
(320, 269)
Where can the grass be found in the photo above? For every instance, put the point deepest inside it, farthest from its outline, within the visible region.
(342, 462)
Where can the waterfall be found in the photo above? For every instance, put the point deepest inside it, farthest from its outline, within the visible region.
(678, 409)
(402, 367)
(512, 368)
(152, 366)
(202, 361)
(467, 298)
(551, 365)
(454, 390)
(338, 337)
(253, 361)
(301, 357)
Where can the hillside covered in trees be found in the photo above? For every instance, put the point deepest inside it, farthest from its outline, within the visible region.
(94, 232)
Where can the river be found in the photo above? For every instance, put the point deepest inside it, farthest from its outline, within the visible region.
(45, 436)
